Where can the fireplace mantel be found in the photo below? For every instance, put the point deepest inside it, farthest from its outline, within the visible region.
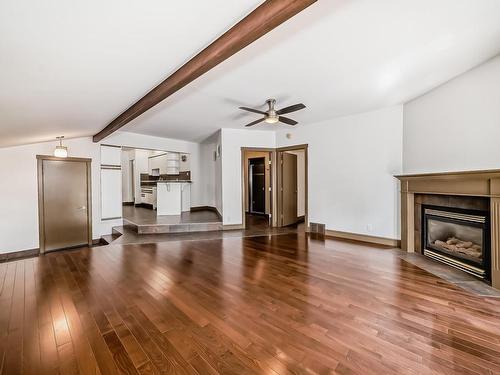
(483, 183)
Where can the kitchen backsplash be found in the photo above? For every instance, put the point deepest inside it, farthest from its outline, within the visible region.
(165, 177)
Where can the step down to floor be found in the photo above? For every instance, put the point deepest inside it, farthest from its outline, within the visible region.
(172, 228)
(116, 232)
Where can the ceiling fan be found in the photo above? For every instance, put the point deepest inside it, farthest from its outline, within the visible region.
(272, 115)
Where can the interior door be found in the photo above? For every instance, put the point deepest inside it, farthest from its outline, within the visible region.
(65, 205)
(257, 175)
(289, 188)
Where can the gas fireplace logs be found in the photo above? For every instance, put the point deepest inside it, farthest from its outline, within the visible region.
(464, 247)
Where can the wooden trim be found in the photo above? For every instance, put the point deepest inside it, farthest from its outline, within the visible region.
(495, 242)
(233, 226)
(303, 146)
(15, 255)
(257, 149)
(266, 17)
(50, 157)
(41, 209)
(457, 173)
(408, 222)
(89, 202)
(363, 238)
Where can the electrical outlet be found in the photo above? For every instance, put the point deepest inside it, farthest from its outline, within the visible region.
(369, 227)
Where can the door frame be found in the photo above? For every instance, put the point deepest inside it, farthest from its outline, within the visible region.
(244, 182)
(275, 181)
(250, 185)
(41, 218)
(279, 182)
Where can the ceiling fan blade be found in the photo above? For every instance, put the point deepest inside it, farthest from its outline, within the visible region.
(287, 120)
(291, 108)
(252, 110)
(256, 122)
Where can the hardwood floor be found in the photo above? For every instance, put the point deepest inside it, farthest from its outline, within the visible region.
(270, 304)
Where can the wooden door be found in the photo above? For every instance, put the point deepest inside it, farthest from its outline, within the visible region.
(289, 188)
(64, 195)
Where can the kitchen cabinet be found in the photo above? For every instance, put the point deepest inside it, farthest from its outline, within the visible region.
(111, 193)
(111, 155)
(172, 166)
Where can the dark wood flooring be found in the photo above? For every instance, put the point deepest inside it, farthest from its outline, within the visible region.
(255, 305)
(255, 226)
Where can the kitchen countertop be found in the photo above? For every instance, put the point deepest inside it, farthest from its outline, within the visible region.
(174, 181)
(167, 181)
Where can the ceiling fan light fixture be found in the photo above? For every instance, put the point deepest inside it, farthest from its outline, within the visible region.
(271, 119)
(273, 116)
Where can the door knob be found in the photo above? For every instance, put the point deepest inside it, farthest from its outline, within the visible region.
(81, 208)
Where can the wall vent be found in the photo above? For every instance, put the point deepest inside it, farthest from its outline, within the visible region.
(317, 228)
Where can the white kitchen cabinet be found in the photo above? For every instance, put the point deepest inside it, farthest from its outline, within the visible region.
(186, 196)
(111, 193)
(111, 155)
(172, 166)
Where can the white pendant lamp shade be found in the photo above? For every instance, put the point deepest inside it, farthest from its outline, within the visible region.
(61, 151)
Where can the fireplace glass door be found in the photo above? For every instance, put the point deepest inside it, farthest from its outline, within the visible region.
(459, 239)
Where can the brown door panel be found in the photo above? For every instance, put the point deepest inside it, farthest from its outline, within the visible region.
(289, 185)
(65, 204)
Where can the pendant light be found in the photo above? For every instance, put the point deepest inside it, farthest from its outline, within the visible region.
(61, 151)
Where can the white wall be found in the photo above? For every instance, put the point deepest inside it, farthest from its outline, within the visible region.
(232, 141)
(18, 187)
(19, 192)
(351, 163)
(457, 125)
(141, 165)
(207, 165)
(127, 193)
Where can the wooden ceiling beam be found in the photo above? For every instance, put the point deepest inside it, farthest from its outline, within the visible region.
(265, 18)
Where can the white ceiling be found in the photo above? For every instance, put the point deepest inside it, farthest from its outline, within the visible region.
(69, 67)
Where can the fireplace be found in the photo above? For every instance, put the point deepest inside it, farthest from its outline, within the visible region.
(457, 237)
